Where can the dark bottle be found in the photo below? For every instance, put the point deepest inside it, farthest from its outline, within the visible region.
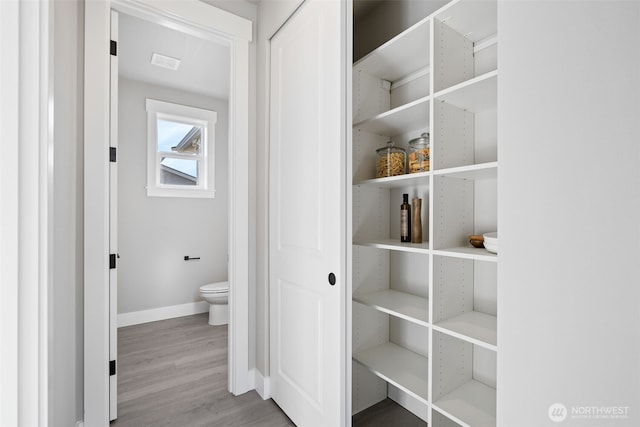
(405, 219)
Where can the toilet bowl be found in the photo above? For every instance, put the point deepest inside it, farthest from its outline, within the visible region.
(217, 295)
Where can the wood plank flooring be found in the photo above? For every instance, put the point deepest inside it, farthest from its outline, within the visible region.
(386, 414)
(174, 373)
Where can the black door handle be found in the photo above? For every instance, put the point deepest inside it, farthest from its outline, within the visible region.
(332, 279)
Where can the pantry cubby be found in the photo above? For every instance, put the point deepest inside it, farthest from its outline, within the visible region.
(424, 316)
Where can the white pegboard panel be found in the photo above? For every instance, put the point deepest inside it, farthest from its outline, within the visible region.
(453, 57)
(484, 366)
(485, 287)
(370, 269)
(370, 327)
(409, 272)
(370, 213)
(371, 96)
(439, 420)
(452, 364)
(452, 212)
(453, 287)
(453, 133)
(410, 91)
(365, 145)
(485, 206)
(486, 136)
(367, 388)
(411, 336)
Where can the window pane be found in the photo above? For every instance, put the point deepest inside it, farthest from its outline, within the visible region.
(178, 137)
(178, 171)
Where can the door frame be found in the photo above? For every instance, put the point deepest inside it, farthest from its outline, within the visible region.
(237, 32)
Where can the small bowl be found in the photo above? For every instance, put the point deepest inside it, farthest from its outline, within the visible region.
(491, 242)
(476, 240)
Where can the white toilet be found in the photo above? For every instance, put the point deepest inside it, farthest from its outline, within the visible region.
(217, 295)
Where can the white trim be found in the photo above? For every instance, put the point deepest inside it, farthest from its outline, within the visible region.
(96, 332)
(25, 184)
(96, 209)
(195, 13)
(162, 313)
(240, 380)
(9, 217)
(262, 385)
(181, 110)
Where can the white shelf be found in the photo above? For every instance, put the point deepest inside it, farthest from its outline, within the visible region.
(476, 20)
(398, 366)
(475, 95)
(400, 304)
(404, 54)
(406, 180)
(467, 252)
(471, 405)
(396, 245)
(405, 118)
(472, 172)
(475, 327)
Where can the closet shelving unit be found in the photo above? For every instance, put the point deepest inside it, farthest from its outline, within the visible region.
(424, 316)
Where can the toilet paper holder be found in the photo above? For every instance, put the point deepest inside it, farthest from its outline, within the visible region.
(188, 258)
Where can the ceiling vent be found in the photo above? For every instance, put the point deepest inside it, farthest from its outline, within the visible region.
(165, 61)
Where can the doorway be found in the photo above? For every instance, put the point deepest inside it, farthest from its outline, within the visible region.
(172, 229)
(236, 31)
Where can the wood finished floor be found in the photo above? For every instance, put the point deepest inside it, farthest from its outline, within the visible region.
(174, 373)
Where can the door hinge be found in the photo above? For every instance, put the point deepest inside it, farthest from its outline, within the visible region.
(113, 154)
(112, 261)
(114, 48)
(112, 368)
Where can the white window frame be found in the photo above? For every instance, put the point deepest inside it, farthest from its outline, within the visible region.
(206, 119)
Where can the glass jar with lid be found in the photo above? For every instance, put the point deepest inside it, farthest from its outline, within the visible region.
(391, 161)
(419, 154)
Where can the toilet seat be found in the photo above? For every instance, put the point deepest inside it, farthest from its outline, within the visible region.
(215, 288)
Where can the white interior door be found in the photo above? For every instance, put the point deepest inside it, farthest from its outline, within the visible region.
(306, 208)
(113, 225)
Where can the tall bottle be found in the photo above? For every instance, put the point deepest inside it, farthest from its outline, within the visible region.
(405, 219)
(416, 230)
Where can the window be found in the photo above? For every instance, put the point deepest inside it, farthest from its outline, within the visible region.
(180, 144)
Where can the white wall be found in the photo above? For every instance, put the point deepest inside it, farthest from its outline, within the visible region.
(569, 210)
(66, 290)
(155, 233)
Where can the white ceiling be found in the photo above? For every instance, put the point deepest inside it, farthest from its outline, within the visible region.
(204, 66)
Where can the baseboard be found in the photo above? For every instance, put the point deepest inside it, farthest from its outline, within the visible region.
(162, 313)
(262, 385)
